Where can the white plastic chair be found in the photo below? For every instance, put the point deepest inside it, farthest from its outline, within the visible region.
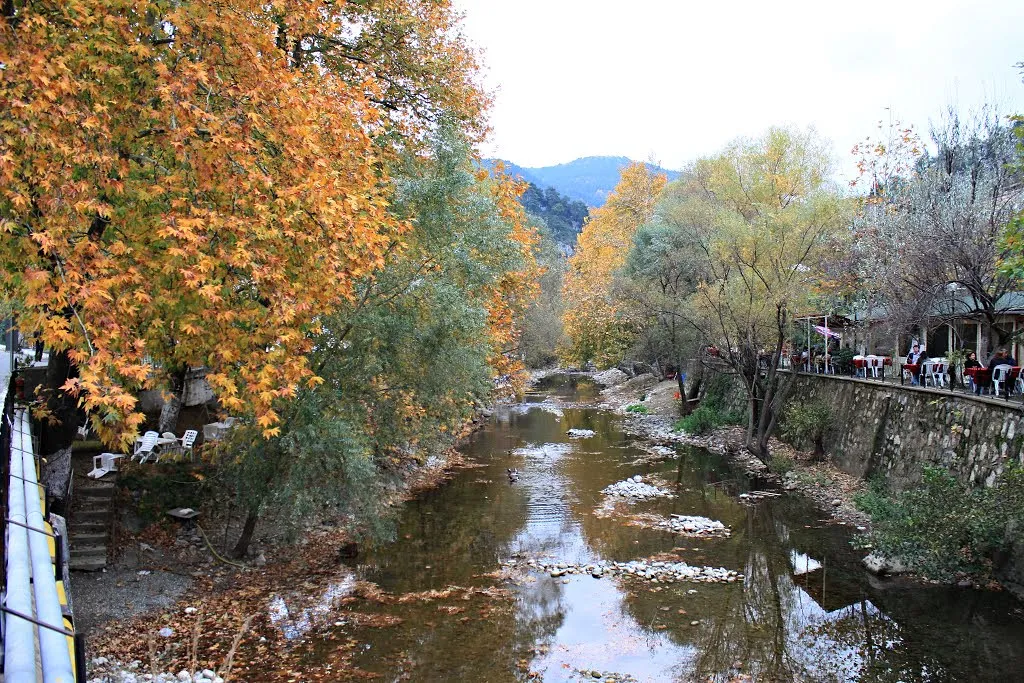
(999, 375)
(145, 449)
(876, 364)
(103, 464)
(188, 439)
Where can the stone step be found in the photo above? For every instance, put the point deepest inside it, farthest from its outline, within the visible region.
(94, 493)
(87, 527)
(87, 564)
(87, 539)
(90, 515)
(88, 549)
(93, 504)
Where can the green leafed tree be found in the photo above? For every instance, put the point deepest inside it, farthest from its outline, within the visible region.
(745, 232)
(404, 365)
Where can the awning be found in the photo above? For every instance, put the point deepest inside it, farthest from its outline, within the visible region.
(827, 333)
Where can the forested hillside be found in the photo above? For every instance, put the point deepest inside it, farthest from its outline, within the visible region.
(563, 217)
(589, 179)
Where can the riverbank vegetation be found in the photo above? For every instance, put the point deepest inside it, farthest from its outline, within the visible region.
(944, 531)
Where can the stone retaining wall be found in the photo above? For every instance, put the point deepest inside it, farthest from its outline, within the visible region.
(892, 430)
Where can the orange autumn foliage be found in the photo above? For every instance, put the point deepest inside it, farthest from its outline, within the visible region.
(596, 329)
(515, 290)
(185, 184)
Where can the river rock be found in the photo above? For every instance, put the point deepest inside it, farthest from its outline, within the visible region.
(610, 378)
(635, 488)
(882, 566)
(580, 433)
(692, 525)
(653, 571)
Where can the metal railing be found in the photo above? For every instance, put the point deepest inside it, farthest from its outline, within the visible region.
(38, 642)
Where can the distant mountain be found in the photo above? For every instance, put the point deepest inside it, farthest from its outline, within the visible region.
(513, 170)
(589, 179)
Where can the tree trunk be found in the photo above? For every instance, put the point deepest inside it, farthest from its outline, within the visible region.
(172, 406)
(689, 398)
(63, 407)
(819, 448)
(242, 546)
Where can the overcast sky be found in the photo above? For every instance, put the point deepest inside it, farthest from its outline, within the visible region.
(678, 79)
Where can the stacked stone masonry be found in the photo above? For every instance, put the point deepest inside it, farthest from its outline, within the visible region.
(882, 429)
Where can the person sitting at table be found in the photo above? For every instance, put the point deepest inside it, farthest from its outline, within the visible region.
(1001, 358)
(969, 364)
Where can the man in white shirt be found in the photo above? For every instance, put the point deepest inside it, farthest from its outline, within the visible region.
(914, 358)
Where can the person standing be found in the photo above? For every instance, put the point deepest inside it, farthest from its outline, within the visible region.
(914, 358)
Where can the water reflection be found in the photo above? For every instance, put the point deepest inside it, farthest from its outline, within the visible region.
(805, 609)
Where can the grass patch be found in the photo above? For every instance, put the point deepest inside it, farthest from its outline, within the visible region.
(638, 409)
(706, 418)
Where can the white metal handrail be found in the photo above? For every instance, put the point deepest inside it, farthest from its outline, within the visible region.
(31, 581)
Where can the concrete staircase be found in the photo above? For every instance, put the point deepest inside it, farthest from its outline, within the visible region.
(92, 504)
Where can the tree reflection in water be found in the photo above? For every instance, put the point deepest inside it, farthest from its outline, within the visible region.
(804, 610)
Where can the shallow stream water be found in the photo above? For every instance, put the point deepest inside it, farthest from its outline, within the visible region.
(804, 610)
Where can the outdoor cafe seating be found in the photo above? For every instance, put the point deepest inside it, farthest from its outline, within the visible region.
(930, 372)
(1000, 381)
(871, 365)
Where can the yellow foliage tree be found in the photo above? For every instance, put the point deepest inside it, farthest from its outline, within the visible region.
(596, 327)
(762, 216)
(193, 184)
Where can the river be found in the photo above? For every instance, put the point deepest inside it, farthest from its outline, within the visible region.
(804, 609)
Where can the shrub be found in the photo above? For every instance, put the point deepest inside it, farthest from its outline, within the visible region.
(781, 464)
(842, 361)
(707, 417)
(700, 421)
(807, 422)
(942, 529)
(637, 408)
(156, 489)
(715, 391)
(733, 417)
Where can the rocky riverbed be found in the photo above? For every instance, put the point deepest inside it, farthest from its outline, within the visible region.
(685, 525)
(104, 670)
(635, 488)
(655, 571)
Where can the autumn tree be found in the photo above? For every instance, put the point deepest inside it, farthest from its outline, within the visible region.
(597, 328)
(187, 184)
(932, 238)
(757, 219)
(1012, 262)
(404, 364)
(542, 331)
